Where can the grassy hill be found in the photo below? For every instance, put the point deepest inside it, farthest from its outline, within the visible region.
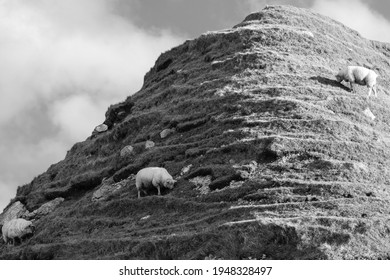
(281, 161)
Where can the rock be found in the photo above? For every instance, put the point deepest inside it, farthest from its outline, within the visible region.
(126, 151)
(358, 167)
(166, 132)
(117, 113)
(45, 209)
(185, 170)
(235, 184)
(369, 114)
(202, 183)
(101, 128)
(246, 171)
(108, 188)
(16, 210)
(145, 218)
(149, 144)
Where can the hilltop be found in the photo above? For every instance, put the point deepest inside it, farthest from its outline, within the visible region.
(274, 159)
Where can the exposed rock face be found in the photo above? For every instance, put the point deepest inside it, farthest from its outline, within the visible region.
(45, 209)
(116, 113)
(202, 183)
(16, 210)
(109, 188)
(297, 168)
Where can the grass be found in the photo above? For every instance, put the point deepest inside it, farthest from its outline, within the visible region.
(263, 91)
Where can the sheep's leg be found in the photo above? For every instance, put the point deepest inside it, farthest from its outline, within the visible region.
(138, 185)
(374, 89)
(369, 93)
(144, 192)
(156, 184)
(158, 188)
(351, 84)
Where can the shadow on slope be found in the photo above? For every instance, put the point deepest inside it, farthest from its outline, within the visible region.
(329, 82)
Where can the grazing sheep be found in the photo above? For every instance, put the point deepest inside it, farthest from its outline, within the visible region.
(153, 177)
(358, 75)
(17, 229)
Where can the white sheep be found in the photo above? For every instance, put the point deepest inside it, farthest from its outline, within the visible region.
(153, 177)
(358, 75)
(17, 229)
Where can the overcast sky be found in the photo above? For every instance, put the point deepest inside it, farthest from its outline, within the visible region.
(63, 62)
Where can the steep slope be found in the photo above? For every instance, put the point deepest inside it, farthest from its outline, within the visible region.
(274, 158)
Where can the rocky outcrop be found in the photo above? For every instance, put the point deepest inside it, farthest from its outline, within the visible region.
(44, 209)
(14, 211)
(274, 159)
(109, 188)
(18, 210)
(116, 113)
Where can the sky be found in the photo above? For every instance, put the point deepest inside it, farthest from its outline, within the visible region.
(62, 63)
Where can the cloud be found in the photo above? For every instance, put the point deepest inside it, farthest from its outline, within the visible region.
(356, 15)
(255, 5)
(6, 192)
(62, 64)
(20, 163)
(258, 5)
(76, 115)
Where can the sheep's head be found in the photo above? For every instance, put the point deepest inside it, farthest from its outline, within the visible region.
(169, 183)
(29, 231)
(339, 78)
(32, 228)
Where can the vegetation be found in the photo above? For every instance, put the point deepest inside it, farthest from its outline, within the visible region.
(296, 170)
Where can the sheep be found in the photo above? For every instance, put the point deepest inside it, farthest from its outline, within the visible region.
(358, 75)
(17, 229)
(153, 177)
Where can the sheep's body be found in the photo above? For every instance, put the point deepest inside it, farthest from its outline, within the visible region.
(359, 75)
(150, 177)
(16, 229)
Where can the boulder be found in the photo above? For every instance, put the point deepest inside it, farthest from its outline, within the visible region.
(101, 128)
(166, 132)
(149, 144)
(126, 151)
(369, 114)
